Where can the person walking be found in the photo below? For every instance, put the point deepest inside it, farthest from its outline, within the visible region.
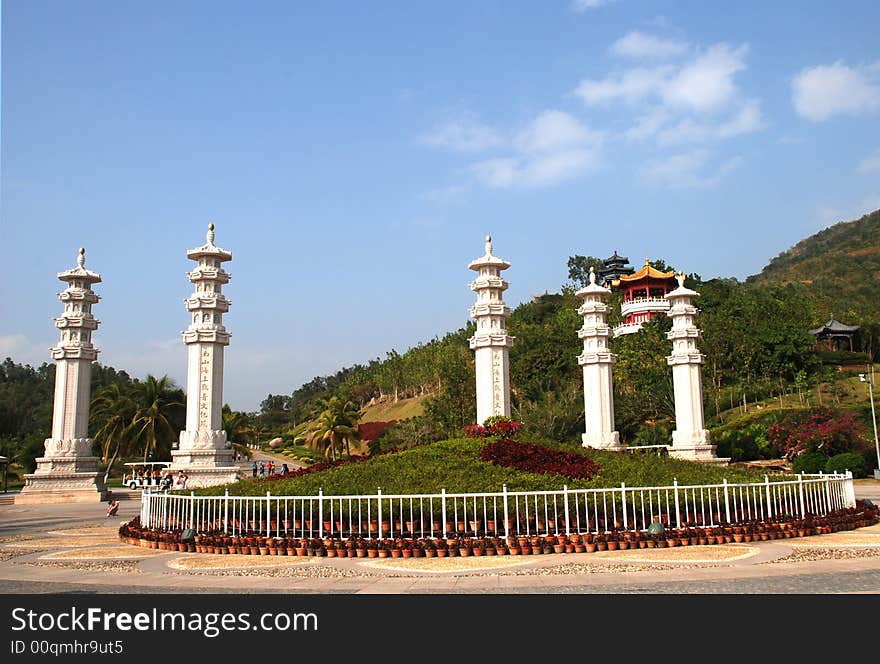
(262, 468)
(254, 468)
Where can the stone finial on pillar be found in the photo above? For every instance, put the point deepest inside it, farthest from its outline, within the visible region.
(690, 440)
(68, 472)
(491, 342)
(596, 362)
(204, 452)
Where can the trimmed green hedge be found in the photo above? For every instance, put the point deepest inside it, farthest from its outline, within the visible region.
(456, 466)
(840, 463)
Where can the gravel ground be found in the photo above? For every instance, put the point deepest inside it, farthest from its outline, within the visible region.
(123, 552)
(63, 542)
(205, 562)
(304, 572)
(94, 566)
(807, 554)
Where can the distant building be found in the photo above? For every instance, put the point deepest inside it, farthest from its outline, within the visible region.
(644, 297)
(834, 334)
(615, 267)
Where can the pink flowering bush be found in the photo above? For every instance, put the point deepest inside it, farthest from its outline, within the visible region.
(822, 430)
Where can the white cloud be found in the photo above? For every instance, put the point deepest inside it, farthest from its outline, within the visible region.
(686, 170)
(553, 130)
(870, 164)
(821, 92)
(463, 134)
(637, 44)
(585, 5)
(554, 147)
(748, 118)
(702, 84)
(647, 125)
(706, 83)
(631, 86)
(23, 350)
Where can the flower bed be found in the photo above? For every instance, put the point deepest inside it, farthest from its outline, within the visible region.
(690, 534)
(539, 459)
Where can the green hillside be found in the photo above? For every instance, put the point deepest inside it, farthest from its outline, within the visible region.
(841, 267)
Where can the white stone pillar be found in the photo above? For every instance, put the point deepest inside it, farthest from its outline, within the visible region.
(204, 452)
(491, 342)
(597, 361)
(690, 440)
(68, 472)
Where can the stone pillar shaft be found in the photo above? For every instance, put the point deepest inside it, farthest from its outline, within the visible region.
(597, 362)
(204, 453)
(67, 471)
(690, 440)
(491, 342)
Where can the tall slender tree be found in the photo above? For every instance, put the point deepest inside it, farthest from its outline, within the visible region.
(159, 405)
(335, 428)
(113, 412)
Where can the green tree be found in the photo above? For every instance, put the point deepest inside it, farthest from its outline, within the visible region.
(158, 417)
(239, 430)
(113, 413)
(642, 379)
(579, 268)
(335, 428)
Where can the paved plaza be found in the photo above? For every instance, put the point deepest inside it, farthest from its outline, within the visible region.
(75, 548)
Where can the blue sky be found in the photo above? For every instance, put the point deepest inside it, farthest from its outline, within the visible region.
(353, 155)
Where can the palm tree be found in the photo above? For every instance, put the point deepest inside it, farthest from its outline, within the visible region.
(335, 427)
(158, 406)
(113, 412)
(239, 430)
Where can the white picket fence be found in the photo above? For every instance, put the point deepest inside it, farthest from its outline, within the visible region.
(502, 513)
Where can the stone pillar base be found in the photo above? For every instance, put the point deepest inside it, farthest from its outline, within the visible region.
(609, 443)
(701, 453)
(81, 482)
(205, 467)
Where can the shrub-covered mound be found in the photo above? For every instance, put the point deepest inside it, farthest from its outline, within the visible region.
(455, 465)
(539, 459)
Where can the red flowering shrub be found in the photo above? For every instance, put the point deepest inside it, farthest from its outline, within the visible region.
(369, 431)
(498, 425)
(822, 430)
(538, 459)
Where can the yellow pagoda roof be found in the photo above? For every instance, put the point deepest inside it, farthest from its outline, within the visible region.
(647, 272)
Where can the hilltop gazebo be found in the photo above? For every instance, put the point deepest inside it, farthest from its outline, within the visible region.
(614, 267)
(644, 297)
(833, 332)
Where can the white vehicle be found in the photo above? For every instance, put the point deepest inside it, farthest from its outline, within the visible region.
(141, 475)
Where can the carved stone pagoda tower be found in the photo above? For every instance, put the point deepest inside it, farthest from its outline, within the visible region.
(204, 452)
(68, 472)
(596, 362)
(690, 440)
(491, 342)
